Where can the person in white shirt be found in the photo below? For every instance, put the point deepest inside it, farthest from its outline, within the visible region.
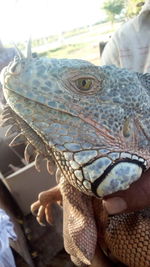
(129, 47)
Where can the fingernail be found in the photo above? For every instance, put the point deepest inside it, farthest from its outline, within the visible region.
(115, 205)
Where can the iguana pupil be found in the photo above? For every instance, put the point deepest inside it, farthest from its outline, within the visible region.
(84, 84)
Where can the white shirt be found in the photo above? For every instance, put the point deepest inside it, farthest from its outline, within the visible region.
(130, 45)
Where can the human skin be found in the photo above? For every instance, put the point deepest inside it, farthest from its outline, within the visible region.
(135, 198)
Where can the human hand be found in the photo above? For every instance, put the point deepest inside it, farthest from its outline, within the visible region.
(135, 198)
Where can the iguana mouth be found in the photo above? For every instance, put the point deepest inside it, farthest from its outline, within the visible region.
(106, 173)
(99, 172)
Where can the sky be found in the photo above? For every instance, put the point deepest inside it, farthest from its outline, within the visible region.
(20, 19)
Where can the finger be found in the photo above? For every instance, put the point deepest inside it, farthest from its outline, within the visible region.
(135, 198)
(40, 215)
(48, 214)
(34, 207)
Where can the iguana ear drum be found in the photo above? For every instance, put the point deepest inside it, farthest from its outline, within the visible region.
(117, 176)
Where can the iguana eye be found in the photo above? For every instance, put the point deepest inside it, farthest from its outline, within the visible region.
(84, 84)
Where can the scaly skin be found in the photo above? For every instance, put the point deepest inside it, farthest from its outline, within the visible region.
(94, 122)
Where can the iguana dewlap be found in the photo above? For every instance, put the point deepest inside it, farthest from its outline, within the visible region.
(94, 122)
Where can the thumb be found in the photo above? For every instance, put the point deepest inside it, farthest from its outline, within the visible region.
(135, 198)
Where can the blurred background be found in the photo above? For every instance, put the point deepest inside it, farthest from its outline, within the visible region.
(64, 28)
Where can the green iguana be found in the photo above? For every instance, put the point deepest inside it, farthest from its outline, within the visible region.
(94, 122)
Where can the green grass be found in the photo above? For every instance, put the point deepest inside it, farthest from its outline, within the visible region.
(75, 32)
(63, 51)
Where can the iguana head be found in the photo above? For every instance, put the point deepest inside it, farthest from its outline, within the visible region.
(94, 120)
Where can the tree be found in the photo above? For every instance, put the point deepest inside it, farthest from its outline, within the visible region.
(113, 8)
(133, 7)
